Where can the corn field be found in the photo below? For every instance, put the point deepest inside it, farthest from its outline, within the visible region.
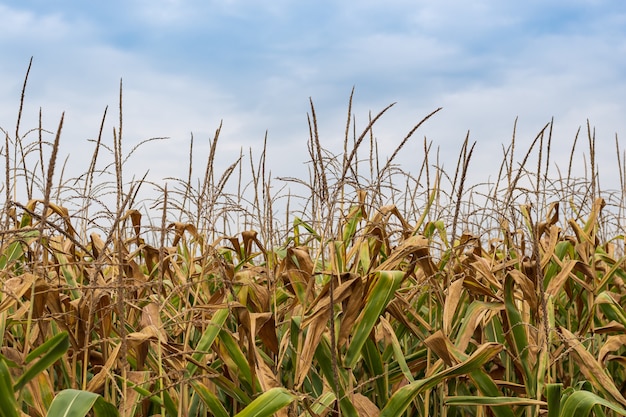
(382, 293)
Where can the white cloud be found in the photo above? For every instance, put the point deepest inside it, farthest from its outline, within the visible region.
(25, 26)
(187, 65)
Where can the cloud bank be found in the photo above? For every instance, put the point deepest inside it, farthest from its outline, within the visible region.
(187, 66)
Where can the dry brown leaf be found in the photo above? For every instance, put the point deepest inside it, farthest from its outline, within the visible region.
(180, 229)
(453, 297)
(135, 218)
(557, 282)
(257, 296)
(97, 382)
(97, 245)
(351, 309)
(104, 307)
(549, 248)
(403, 311)
(14, 288)
(267, 378)
(267, 333)
(297, 268)
(439, 343)
(478, 288)
(133, 398)
(527, 286)
(314, 333)
(150, 317)
(321, 305)
(415, 245)
(591, 368)
(54, 208)
(144, 335)
(151, 256)
(612, 327)
(364, 406)
(471, 324)
(249, 237)
(612, 344)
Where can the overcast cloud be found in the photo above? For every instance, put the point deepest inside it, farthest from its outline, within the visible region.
(187, 65)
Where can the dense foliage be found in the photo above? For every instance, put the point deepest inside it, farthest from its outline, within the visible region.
(384, 295)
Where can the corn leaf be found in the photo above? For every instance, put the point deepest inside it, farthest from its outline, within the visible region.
(267, 403)
(52, 350)
(373, 361)
(520, 338)
(403, 397)
(323, 357)
(207, 339)
(580, 404)
(592, 369)
(212, 403)
(8, 404)
(489, 389)
(322, 404)
(490, 401)
(13, 252)
(611, 309)
(235, 358)
(377, 299)
(75, 403)
(553, 395)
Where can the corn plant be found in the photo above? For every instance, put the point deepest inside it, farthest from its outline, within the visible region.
(383, 292)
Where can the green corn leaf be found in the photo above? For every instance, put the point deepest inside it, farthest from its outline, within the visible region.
(381, 293)
(580, 404)
(26, 220)
(611, 309)
(402, 398)
(51, 350)
(553, 394)
(350, 228)
(323, 357)
(321, 404)
(230, 388)
(170, 405)
(267, 403)
(75, 403)
(615, 271)
(471, 317)
(57, 339)
(8, 405)
(364, 257)
(207, 339)
(212, 403)
(340, 257)
(145, 393)
(520, 338)
(486, 386)
(397, 350)
(489, 389)
(44, 388)
(374, 363)
(236, 357)
(296, 230)
(491, 401)
(13, 252)
(104, 408)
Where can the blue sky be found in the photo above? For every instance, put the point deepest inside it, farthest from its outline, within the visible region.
(187, 65)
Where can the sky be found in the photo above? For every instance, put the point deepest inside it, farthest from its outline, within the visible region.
(189, 65)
